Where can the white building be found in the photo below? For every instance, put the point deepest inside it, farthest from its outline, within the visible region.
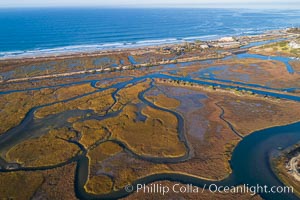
(204, 46)
(227, 39)
(294, 45)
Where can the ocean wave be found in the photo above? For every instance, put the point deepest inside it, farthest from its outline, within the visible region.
(65, 50)
(60, 50)
(157, 41)
(205, 37)
(255, 31)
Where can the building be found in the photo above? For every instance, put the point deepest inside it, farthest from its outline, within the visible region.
(295, 44)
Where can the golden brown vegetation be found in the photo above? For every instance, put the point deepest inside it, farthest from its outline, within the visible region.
(74, 119)
(211, 140)
(108, 83)
(109, 158)
(19, 185)
(91, 132)
(129, 94)
(98, 102)
(212, 152)
(14, 106)
(278, 111)
(296, 65)
(58, 183)
(126, 169)
(100, 184)
(102, 152)
(267, 113)
(46, 150)
(164, 101)
(280, 48)
(157, 136)
(268, 73)
(61, 64)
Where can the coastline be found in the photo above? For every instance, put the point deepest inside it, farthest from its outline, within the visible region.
(64, 53)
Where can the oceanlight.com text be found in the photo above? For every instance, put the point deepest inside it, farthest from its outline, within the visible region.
(212, 188)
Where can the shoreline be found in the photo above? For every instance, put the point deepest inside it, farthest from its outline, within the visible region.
(241, 40)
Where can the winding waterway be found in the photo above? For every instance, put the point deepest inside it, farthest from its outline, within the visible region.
(250, 161)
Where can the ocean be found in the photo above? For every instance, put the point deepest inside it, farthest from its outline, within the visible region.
(35, 31)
